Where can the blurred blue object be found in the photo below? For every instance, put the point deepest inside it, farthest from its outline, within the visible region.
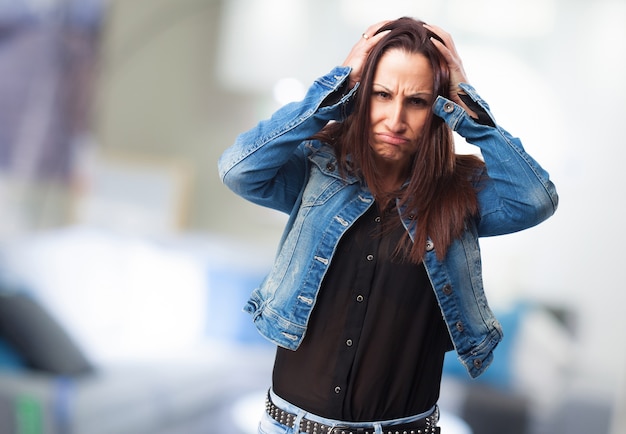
(88, 12)
(229, 290)
(500, 372)
(9, 359)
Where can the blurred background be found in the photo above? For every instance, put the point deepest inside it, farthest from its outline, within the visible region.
(124, 263)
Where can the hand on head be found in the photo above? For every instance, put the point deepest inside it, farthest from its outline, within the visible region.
(357, 56)
(455, 65)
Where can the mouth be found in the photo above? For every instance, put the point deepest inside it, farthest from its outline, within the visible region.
(392, 139)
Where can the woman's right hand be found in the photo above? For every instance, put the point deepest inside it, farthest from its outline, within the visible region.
(358, 55)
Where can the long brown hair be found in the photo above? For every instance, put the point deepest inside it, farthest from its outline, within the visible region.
(440, 191)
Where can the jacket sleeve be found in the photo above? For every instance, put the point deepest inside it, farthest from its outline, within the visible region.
(267, 165)
(516, 192)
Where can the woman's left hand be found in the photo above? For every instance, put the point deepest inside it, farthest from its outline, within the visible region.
(455, 65)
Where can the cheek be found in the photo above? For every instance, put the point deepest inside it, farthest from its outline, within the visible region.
(375, 114)
(419, 122)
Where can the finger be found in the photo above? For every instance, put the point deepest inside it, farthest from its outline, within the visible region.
(448, 51)
(370, 33)
(371, 41)
(445, 36)
(447, 48)
(443, 49)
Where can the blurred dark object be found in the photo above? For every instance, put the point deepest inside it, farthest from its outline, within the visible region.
(580, 415)
(38, 338)
(489, 410)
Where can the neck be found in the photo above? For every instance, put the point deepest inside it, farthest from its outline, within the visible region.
(391, 177)
(387, 190)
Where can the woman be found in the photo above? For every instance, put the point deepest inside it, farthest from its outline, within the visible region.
(378, 273)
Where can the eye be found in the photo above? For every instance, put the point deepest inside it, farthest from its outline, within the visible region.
(381, 94)
(418, 102)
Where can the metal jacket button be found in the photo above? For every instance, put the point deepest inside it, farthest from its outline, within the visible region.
(447, 289)
(429, 245)
(448, 107)
(330, 167)
(478, 363)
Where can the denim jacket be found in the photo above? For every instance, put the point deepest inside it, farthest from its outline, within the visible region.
(275, 165)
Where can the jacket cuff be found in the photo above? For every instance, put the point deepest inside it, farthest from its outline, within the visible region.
(453, 113)
(340, 95)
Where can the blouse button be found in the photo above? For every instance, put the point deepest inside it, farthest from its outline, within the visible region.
(377, 219)
(349, 342)
(337, 389)
(359, 298)
(448, 107)
(370, 257)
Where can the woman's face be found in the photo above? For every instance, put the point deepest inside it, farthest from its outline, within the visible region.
(402, 96)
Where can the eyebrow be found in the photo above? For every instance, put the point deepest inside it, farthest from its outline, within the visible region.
(413, 95)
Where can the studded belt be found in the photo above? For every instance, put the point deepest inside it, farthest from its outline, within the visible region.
(427, 425)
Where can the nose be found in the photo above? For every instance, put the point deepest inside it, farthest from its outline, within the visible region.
(395, 118)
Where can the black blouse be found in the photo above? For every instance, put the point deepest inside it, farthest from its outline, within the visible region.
(376, 339)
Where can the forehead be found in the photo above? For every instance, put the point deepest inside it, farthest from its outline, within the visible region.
(400, 68)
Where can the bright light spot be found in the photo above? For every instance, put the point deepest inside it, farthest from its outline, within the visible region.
(288, 90)
(247, 411)
(523, 19)
(362, 13)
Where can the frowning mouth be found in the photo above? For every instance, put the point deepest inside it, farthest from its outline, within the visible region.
(392, 139)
